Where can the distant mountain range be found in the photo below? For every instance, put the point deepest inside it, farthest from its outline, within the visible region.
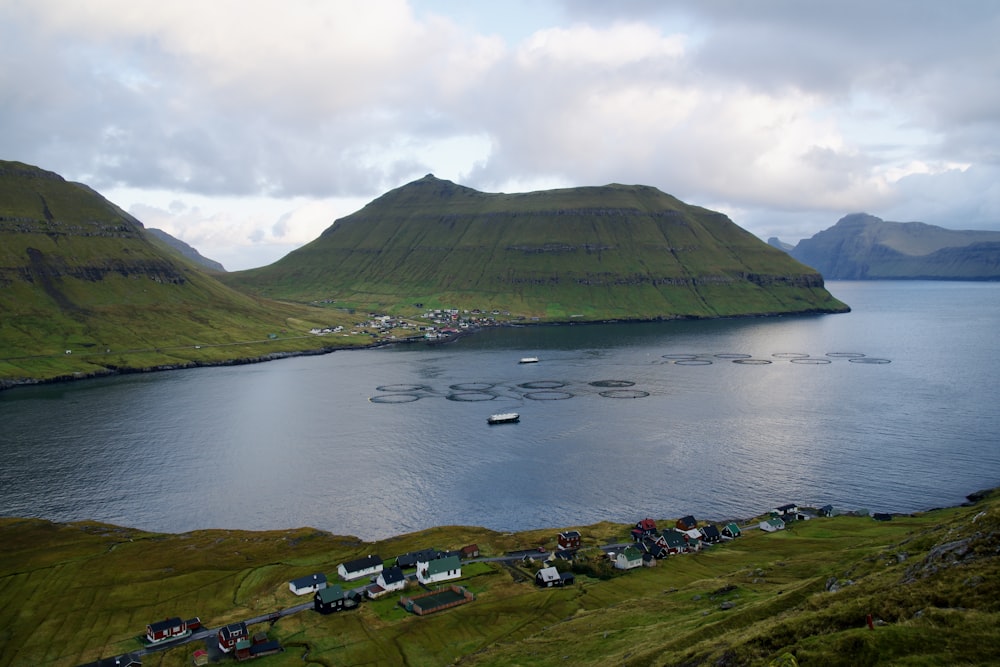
(863, 247)
(626, 252)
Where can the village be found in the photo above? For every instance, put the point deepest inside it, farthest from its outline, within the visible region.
(435, 325)
(427, 579)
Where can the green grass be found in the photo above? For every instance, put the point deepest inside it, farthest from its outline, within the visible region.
(71, 593)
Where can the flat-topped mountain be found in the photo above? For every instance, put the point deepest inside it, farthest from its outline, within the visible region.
(589, 253)
(861, 246)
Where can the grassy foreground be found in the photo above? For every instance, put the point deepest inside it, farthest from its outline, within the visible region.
(72, 593)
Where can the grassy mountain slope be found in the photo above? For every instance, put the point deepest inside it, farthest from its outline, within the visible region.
(72, 593)
(83, 290)
(613, 252)
(861, 246)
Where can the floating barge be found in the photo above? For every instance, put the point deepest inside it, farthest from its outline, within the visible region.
(528, 360)
(504, 418)
(438, 600)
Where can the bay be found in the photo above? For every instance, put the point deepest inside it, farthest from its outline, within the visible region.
(891, 407)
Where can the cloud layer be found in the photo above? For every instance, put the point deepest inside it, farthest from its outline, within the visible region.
(246, 127)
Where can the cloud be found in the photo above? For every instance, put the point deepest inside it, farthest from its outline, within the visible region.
(784, 113)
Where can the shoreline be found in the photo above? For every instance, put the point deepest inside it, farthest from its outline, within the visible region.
(8, 383)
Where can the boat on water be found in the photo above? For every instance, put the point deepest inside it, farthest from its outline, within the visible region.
(528, 360)
(504, 418)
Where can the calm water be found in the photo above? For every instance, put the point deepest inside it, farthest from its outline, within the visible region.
(378, 442)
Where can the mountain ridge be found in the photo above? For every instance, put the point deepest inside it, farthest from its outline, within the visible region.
(591, 253)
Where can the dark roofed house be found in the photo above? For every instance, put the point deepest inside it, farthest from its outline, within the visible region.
(165, 630)
(791, 509)
(687, 523)
(308, 584)
(569, 539)
(231, 635)
(411, 559)
(710, 534)
(361, 567)
(333, 598)
(826, 510)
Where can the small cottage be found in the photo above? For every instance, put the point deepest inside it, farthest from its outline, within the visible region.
(672, 541)
(333, 598)
(308, 584)
(548, 577)
(569, 539)
(789, 510)
(165, 630)
(686, 523)
(771, 525)
(642, 528)
(628, 558)
(731, 531)
(230, 635)
(826, 510)
(411, 558)
(390, 579)
(470, 551)
(361, 567)
(439, 569)
(710, 534)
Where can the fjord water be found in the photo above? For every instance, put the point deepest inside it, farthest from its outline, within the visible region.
(722, 419)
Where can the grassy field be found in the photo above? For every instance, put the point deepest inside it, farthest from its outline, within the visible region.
(73, 593)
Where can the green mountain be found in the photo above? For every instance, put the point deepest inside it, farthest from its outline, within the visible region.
(85, 290)
(185, 250)
(593, 253)
(861, 246)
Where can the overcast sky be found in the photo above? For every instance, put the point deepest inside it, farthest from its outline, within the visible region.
(246, 127)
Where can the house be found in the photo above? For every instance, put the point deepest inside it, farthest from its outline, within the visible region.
(648, 560)
(772, 524)
(569, 539)
(826, 510)
(628, 558)
(563, 554)
(411, 559)
(388, 580)
(308, 584)
(652, 547)
(686, 523)
(731, 530)
(547, 577)
(470, 551)
(710, 534)
(645, 527)
(231, 635)
(333, 598)
(790, 509)
(439, 569)
(165, 630)
(125, 660)
(673, 541)
(361, 567)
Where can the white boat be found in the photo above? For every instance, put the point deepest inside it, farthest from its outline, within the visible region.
(504, 418)
(528, 360)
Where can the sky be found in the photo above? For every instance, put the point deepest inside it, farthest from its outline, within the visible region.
(247, 127)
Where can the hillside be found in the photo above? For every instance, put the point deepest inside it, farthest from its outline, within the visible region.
(928, 584)
(84, 290)
(597, 253)
(185, 249)
(863, 247)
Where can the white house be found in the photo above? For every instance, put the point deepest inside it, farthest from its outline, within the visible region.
(362, 567)
(628, 558)
(772, 524)
(439, 569)
(388, 580)
(308, 584)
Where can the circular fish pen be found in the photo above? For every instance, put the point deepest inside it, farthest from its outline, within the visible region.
(472, 386)
(693, 362)
(471, 396)
(790, 355)
(810, 360)
(752, 362)
(402, 387)
(869, 360)
(733, 355)
(624, 393)
(680, 357)
(394, 398)
(548, 395)
(612, 383)
(543, 384)
(845, 355)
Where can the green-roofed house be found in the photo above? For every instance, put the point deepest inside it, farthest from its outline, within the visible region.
(731, 530)
(439, 569)
(771, 525)
(628, 558)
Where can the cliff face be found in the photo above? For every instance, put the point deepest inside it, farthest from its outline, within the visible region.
(612, 252)
(863, 247)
